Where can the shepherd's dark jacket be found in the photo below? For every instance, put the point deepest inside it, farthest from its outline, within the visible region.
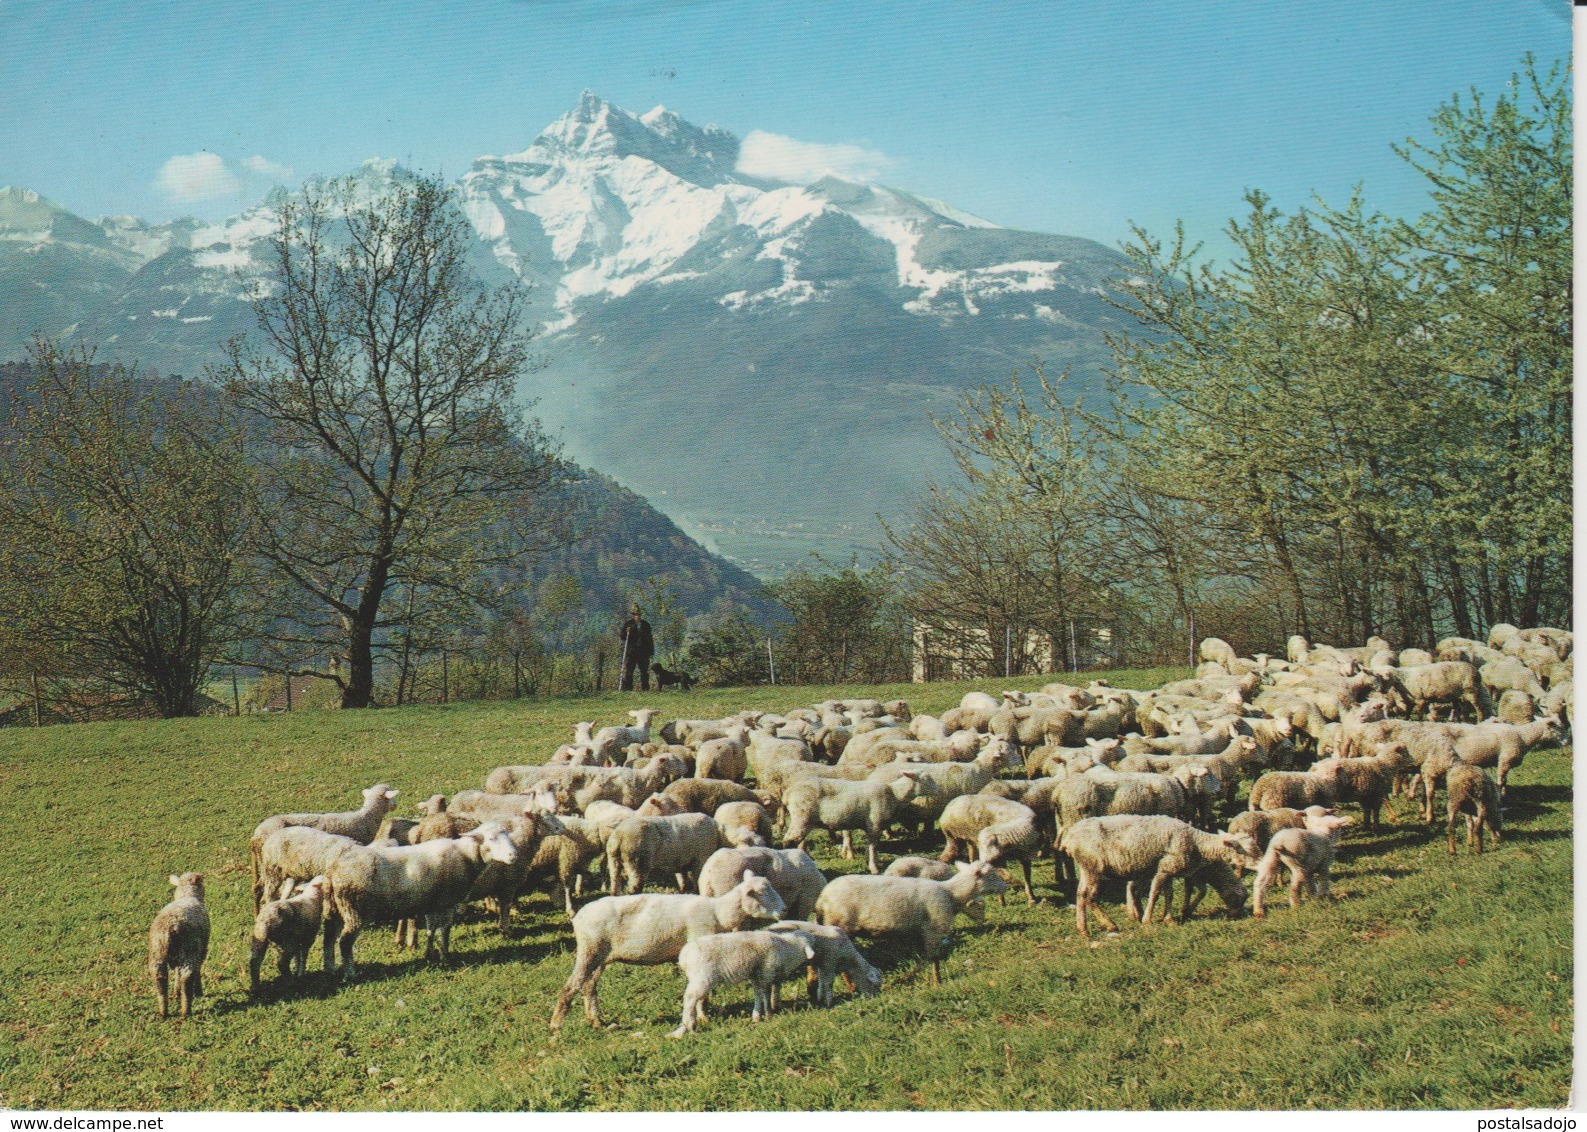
(636, 638)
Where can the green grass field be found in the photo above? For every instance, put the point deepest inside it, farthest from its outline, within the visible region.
(1432, 982)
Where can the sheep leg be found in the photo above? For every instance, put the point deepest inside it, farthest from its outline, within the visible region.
(693, 1009)
(848, 846)
(284, 966)
(504, 907)
(162, 989)
(1297, 879)
(256, 951)
(350, 929)
(870, 852)
(1131, 907)
(185, 981)
(760, 1008)
(1449, 827)
(1030, 893)
(1266, 873)
(1151, 896)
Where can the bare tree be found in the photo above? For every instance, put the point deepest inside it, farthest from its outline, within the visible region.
(383, 378)
(122, 549)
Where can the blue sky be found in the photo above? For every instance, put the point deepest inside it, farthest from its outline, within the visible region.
(1077, 118)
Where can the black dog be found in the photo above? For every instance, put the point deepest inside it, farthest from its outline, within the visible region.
(665, 679)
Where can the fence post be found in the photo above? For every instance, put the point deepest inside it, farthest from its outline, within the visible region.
(1008, 653)
(1192, 640)
(38, 710)
(289, 691)
(771, 662)
(1074, 659)
(236, 699)
(443, 676)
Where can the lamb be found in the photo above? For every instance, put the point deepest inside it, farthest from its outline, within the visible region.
(1476, 795)
(291, 925)
(1261, 825)
(430, 880)
(677, 846)
(565, 855)
(881, 905)
(502, 807)
(762, 959)
(437, 822)
(178, 944)
(835, 954)
(1135, 847)
(877, 748)
(1560, 701)
(936, 783)
(298, 853)
(653, 928)
(1504, 745)
(792, 872)
(609, 742)
(361, 825)
(580, 752)
(693, 732)
(1368, 781)
(1307, 853)
(724, 758)
(743, 823)
(836, 804)
(997, 828)
(974, 712)
(502, 883)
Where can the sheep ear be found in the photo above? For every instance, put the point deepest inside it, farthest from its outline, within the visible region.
(392, 793)
(749, 875)
(175, 880)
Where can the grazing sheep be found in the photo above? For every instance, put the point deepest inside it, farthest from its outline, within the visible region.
(1307, 853)
(1134, 847)
(707, 795)
(370, 884)
(1450, 682)
(835, 954)
(835, 804)
(915, 906)
(361, 825)
(502, 883)
(994, 829)
(653, 928)
(1473, 793)
(928, 867)
(1261, 825)
(178, 944)
(1295, 790)
(1515, 706)
(762, 959)
(792, 872)
(502, 807)
(660, 806)
(1504, 745)
(936, 783)
(291, 925)
(676, 846)
(743, 823)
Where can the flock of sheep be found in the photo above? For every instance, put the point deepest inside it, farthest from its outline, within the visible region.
(1117, 784)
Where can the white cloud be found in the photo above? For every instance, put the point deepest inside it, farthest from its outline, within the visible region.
(267, 168)
(779, 158)
(195, 177)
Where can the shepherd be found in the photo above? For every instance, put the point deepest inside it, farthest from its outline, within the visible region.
(638, 645)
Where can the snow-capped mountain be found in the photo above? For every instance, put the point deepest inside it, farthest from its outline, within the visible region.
(749, 354)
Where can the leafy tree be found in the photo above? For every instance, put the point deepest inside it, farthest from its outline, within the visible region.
(382, 380)
(847, 626)
(123, 548)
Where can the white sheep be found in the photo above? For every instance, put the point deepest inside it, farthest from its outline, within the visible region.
(179, 943)
(1307, 853)
(676, 845)
(836, 804)
(1136, 847)
(792, 872)
(912, 906)
(653, 928)
(763, 959)
(835, 954)
(374, 884)
(361, 825)
(994, 829)
(291, 925)
(608, 742)
(1473, 793)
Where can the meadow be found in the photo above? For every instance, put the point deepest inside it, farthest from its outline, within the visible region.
(1431, 982)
